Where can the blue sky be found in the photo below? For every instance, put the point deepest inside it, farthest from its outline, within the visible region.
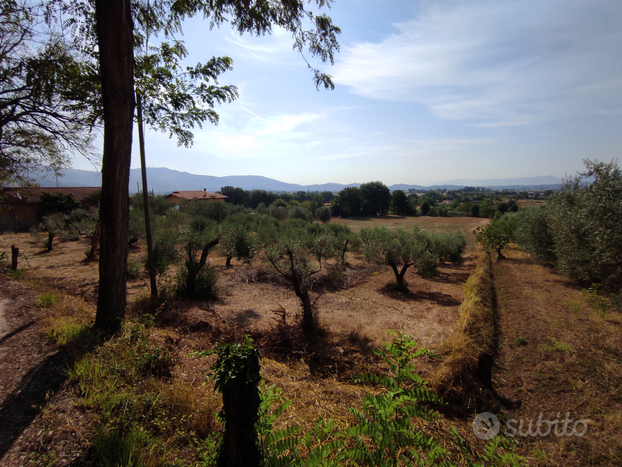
(426, 91)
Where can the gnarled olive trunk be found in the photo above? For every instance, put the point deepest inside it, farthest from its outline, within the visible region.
(399, 274)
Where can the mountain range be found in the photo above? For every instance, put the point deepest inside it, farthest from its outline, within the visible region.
(163, 181)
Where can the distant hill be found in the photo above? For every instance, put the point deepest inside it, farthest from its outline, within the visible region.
(508, 182)
(162, 181)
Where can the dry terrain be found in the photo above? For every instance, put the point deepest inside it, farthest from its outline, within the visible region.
(555, 354)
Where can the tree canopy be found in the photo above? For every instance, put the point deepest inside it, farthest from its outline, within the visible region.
(46, 95)
(116, 39)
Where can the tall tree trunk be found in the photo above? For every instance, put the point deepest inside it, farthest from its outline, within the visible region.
(116, 61)
(143, 173)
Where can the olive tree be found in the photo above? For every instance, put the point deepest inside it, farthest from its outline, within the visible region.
(196, 279)
(586, 223)
(498, 234)
(400, 249)
(296, 255)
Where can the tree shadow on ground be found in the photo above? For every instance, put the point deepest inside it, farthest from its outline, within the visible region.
(405, 295)
(452, 278)
(244, 317)
(29, 397)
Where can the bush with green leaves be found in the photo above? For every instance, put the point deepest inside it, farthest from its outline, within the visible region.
(534, 234)
(498, 234)
(587, 225)
(158, 205)
(58, 203)
(400, 249)
(279, 212)
(196, 279)
(70, 225)
(216, 211)
(449, 247)
(237, 240)
(323, 214)
(298, 212)
(290, 252)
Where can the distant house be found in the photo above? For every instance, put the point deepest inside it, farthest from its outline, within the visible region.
(179, 198)
(20, 209)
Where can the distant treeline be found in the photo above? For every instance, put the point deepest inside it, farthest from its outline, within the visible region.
(371, 199)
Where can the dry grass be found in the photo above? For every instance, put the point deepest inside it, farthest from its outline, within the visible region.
(557, 355)
(441, 313)
(433, 224)
(464, 377)
(529, 203)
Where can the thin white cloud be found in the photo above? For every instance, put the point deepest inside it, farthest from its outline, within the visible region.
(270, 138)
(497, 63)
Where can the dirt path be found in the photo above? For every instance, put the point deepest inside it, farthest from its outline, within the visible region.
(557, 356)
(4, 327)
(31, 373)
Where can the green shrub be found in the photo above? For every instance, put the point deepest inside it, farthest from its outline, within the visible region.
(534, 234)
(15, 273)
(586, 226)
(449, 247)
(199, 223)
(47, 299)
(135, 267)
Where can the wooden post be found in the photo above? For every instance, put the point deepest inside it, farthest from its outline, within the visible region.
(14, 255)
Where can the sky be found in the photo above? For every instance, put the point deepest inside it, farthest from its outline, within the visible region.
(425, 92)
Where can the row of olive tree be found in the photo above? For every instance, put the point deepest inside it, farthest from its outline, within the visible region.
(295, 249)
(579, 230)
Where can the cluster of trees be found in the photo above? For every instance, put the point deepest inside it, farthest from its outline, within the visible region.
(370, 199)
(296, 249)
(69, 66)
(579, 230)
(66, 216)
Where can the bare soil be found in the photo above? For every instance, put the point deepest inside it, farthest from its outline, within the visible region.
(557, 356)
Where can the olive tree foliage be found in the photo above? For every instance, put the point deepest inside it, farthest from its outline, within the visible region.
(586, 224)
(400, 249)
(498, 234)
(534, 234)
(70, 223)
(448, 247)
(238, 240)
(57, 202)
(46, 87)
(196, 279)
(297, 251)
